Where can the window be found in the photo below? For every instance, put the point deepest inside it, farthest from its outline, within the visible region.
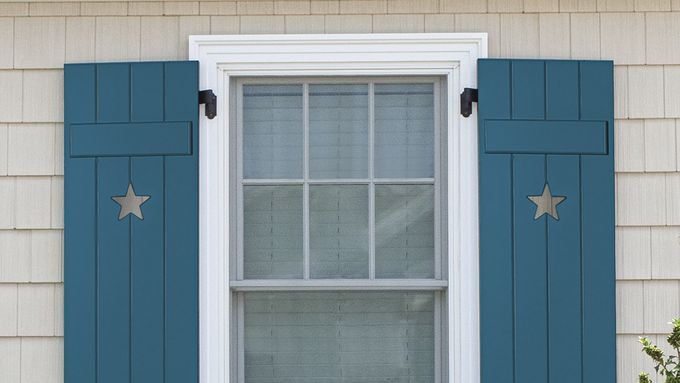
(227, 60)
(338, 244)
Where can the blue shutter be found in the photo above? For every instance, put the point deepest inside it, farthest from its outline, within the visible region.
(547, 288)
(131, 285)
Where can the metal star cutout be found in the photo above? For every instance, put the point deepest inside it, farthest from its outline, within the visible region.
(130, 203)
(546, 203)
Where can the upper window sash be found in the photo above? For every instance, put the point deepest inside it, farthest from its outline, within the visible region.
(304, 118)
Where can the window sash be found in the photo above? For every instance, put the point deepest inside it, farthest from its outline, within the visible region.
(306, 182)
(440, 320)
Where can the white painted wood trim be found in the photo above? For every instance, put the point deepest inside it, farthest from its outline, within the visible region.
(331, 284)
(453, 55)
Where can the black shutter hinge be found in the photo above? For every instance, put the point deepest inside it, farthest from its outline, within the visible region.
(208, 98)
(468, 96)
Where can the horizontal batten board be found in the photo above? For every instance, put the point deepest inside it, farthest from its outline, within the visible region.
(335, 284)
(561, 137)
(167, 138)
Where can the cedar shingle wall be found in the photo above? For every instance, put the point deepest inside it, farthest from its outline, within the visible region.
(36, 38)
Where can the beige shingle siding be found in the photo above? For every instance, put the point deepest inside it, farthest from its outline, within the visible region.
(633, 253)
(28, 256)
(585, 35)
(645, 91)
(661, 303)
(630, 361)
(622, 37)
(104, 9)
(8, 312)
(10, 360)
(36, 38)
(629, 302)
(42, 360)
(641, 199)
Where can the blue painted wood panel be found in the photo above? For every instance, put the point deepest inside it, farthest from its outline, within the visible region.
(547, 298)
(131, 284)
(129, 139)
(597, 230)
(113, 273)
(181, 232)
(147, 262)
(568, 137)
(496, 264)
(564, 272)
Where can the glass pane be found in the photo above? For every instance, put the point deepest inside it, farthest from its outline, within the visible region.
(404, 231)
(335, 337)
(272, 225)
(338, 131)
(404, 130)
(272, 131)
(338, 231)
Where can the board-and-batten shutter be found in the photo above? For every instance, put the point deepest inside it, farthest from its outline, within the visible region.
(547, 284)
(131, 284)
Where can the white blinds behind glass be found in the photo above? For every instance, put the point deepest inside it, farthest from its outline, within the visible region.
(334, 337)
(338, 131)
(272, 225)
(404, 232)
(404, 131)
(272, 131)
(338, 230)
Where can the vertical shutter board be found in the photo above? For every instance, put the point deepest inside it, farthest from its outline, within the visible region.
(496, 271)
(562, 90)
(181, 224)
(181, 311)
(147, 266)
(531, 322)
(564, 272)
(564, 236)
(181, 92)
(113, 236)
(597, 87)
(530, 264)
(528, 90)
(495, 101)
(496, 244)
(146, 92)
(597, 206)
(80, 275)
(148, 238)
(79, 244)
(80, 93)
(113, 92)
(113, 270)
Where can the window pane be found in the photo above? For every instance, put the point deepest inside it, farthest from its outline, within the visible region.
(338, 231)
(312, 337)
(404, 232)
(272, 131)
(404, 131)
(272, 217)
(338, 131)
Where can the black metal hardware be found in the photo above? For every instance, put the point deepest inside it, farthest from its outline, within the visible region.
(468, 96)
(208, 98)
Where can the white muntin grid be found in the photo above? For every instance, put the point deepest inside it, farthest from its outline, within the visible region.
(240, 285)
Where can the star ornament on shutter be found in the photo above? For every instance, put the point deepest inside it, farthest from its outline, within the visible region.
(130, 203)
(546, 203)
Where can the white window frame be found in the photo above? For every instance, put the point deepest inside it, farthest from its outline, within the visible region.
(453, 55)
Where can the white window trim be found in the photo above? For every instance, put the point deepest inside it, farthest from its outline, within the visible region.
(453, 55)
